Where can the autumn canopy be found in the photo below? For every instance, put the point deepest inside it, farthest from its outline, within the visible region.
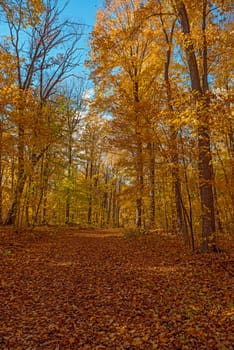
(149, 146)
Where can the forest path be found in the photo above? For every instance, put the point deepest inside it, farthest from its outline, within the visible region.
(95, 289)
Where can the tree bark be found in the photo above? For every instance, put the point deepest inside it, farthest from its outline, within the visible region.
(139, 157)
(205, 158)
(68, 194)
(21, 178)
(152, 184)
(174, 144)
(140, 184)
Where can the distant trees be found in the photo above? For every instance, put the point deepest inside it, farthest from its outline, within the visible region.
(126, 75)
(153, 64)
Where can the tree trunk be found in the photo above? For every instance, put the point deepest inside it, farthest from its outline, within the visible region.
(21, 178)
(68, 194)
(174, 147)
(90, 194)
(152, 184)
(139, 158)
(204, 159)
(140, 185)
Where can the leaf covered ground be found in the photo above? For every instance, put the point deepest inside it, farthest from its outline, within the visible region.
(92, 290)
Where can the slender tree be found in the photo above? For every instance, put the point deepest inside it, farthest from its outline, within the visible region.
(38, 69)
(126, 78)
(200, 87)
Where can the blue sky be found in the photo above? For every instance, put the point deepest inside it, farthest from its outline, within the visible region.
(84, 12)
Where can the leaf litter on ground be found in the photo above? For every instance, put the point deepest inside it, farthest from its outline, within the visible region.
(96, 289)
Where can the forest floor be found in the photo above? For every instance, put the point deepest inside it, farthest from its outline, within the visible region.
(96, 289)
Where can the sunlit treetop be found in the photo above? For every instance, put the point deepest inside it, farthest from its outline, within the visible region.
(23, 12)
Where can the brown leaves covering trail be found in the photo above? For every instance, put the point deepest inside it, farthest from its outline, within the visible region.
(97, 290)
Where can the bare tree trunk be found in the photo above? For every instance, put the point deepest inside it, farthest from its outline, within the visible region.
(21, 178)
(110, 206)
(68, 194)
(174, 147)
(115, 204)
(44, 210)
(179, 199)
(188, 214)
(205, 166)
(139, 158)
(90, 194)
(140, 184)
(152, 184)
(206, 189)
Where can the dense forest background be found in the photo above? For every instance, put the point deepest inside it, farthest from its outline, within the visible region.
(148, 146)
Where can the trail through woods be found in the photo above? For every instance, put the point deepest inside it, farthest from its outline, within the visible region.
(95, 289)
